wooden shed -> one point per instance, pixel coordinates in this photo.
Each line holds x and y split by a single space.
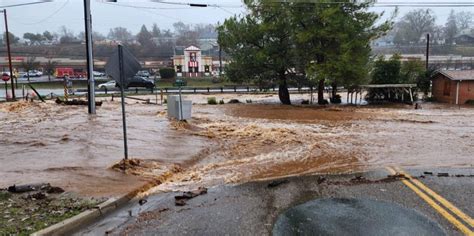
453 86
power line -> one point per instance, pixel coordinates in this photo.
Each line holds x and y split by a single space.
48 17
376 4
25 4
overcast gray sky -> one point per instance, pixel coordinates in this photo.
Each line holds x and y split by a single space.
51 16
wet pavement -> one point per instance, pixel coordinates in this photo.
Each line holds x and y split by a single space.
253 208
349 216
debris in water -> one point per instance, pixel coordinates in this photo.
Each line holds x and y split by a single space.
182 199
428 173
276 183
142 201
443 175
126 164
321 180
77 102
54 190
28 187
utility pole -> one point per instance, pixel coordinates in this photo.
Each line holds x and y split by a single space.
427 50
90 60
9 53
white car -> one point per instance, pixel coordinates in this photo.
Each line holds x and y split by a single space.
35 73
108 85
98 74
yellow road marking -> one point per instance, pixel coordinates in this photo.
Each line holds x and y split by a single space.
437 207
440 199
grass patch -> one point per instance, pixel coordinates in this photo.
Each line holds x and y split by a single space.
23 215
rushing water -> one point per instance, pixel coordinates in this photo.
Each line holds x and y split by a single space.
229 143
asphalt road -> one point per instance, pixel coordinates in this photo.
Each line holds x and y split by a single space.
253 208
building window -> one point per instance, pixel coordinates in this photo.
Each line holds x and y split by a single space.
447 88
206 68
179 69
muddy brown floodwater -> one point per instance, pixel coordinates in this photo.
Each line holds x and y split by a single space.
66 147
231 143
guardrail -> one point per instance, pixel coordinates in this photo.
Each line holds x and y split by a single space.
188 90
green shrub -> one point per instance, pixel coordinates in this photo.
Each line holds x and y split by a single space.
165 101
248 100
221 101
430 99
217 80
167 73
211 101
4 195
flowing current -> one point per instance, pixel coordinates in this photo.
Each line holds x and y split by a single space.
231 143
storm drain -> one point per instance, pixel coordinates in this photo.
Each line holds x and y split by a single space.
338 216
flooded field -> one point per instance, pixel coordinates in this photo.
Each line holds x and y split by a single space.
229 143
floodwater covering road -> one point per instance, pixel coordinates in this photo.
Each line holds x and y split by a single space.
231 143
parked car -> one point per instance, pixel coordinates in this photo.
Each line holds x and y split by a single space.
139 81
35 73
143 73
98 74
22 74
108 85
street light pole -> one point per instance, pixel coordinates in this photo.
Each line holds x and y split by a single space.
90 60
9 53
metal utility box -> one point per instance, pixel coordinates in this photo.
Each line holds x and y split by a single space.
174 107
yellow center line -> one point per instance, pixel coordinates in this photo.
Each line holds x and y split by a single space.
439 198
437 207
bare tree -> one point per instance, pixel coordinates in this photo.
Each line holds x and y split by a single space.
121 34
417 22
464 19
49 67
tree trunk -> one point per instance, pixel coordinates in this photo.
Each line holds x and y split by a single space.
28 76
283 93
49 76
321 92
334 90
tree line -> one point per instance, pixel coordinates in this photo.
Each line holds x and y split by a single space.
414 25
310 44
147 40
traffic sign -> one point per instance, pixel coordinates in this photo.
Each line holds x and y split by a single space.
5 77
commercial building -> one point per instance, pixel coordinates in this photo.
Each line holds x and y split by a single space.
191 62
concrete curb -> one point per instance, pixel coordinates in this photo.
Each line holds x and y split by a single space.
67 226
